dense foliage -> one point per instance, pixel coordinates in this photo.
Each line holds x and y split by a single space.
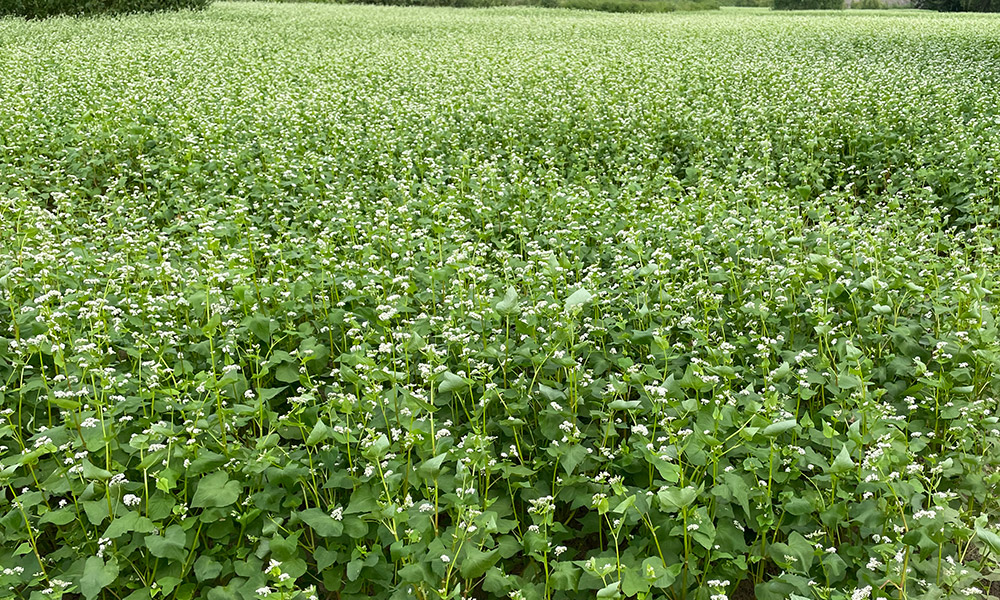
622 6
807 4
960 5
746 3
311 301
40 9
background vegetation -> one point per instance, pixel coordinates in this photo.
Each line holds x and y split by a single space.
622 6
960 5
40 9
746 3
808 4
311 301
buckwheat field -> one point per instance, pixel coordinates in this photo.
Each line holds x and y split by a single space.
339 302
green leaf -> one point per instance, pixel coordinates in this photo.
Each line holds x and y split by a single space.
674 499
97 575
796 555
285 548
623 404
565 576
572 457
323 524
578 299
287 373
212 325
319 433
992 540
451 382
168 583
139 594
851 352
260 326
798 506
662 577
610 591
551 394
354 527
635 583
362 501
776 429
216 490
431 468
267 394
913 537
781 372
625 504
842 463
206 568
508 306
207 461
496 582
416 342
325 558
92 472
170 545
60 516
476 562
739 489
130 521
223 592
834 566
354 569
96 510
380 446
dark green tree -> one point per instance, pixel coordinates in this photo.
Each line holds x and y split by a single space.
960 5
40 9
